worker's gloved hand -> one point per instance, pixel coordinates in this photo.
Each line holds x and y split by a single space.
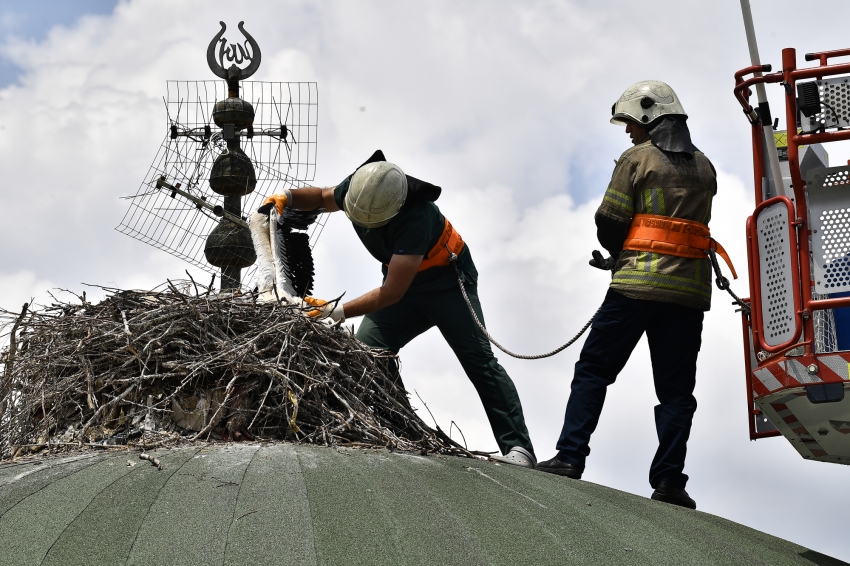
325 309
606 264
278 201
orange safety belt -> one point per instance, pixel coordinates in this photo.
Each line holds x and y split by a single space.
673 236
449 243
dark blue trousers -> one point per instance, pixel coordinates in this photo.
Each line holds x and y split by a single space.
674 333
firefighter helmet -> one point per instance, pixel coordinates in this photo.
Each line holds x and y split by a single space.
376 193
645 101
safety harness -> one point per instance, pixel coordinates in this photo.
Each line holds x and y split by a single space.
449 243
673 236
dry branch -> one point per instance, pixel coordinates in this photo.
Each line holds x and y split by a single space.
155 368
154 461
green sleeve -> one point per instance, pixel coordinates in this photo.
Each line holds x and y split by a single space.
340 191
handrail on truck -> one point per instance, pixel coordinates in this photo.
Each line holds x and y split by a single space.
788 77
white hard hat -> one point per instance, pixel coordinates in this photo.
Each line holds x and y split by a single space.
376 194
645 101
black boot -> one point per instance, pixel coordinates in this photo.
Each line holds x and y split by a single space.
673 495
555 466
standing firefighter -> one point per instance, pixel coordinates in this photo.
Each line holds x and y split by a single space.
396 219
653 221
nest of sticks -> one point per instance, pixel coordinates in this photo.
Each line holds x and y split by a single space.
180 363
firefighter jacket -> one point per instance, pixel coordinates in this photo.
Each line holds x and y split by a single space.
647 180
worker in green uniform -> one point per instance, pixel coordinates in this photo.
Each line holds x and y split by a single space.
396 219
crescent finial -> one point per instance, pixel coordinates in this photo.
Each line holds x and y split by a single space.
219 71
255 54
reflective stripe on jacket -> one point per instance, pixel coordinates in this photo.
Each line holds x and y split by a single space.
649 181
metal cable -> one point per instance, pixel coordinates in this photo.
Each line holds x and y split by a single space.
723 283
453 260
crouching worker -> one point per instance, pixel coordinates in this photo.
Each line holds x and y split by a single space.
396 219
653 221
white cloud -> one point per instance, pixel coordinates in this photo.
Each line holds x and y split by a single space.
503 104
23 286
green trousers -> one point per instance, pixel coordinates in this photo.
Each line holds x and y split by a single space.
394 326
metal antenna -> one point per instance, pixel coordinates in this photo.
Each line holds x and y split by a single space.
207 177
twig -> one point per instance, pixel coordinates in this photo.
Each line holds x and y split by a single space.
10 360
454 424
427 409
13 344
155 461
197 293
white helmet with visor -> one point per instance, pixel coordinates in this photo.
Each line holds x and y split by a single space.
644 102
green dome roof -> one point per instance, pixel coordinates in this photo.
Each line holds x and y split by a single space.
294 504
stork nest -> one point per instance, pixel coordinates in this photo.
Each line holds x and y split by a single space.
181 364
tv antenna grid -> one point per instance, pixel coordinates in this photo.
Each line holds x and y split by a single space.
228 144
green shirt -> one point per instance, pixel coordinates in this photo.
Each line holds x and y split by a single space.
413 231
647 180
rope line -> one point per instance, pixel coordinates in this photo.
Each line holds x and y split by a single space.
453 260
721 282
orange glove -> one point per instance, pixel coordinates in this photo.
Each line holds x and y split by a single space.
325 309
280 201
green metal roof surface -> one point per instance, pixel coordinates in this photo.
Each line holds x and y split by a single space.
294 504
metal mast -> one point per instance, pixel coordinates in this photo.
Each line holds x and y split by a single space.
229 245
775 174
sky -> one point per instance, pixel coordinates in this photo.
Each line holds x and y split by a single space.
503 104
